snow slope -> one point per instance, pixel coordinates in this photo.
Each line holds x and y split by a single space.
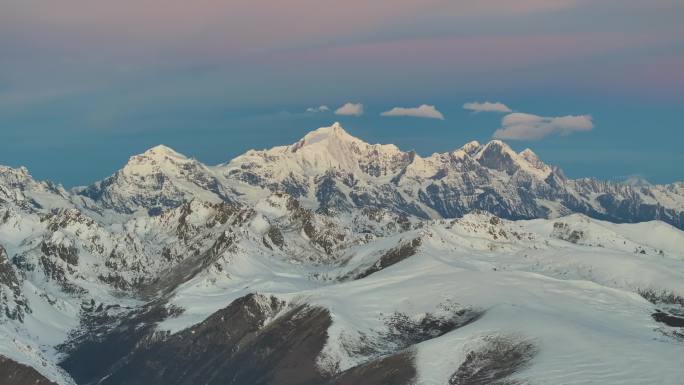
577 303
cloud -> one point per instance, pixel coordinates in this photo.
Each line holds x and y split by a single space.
521 126
487 107
322 108
352 109
423 111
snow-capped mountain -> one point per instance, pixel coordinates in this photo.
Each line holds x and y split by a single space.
335 261
332 171
157 179
18 187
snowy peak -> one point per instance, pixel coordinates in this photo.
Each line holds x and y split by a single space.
161 151
6 172
157 159
326 136
158 179
337 142
18 186
636 181
15 177
532 159
160 162
471 148
495 147
334 149
497 155
529 155
326 149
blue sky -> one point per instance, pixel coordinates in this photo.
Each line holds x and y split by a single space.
84 85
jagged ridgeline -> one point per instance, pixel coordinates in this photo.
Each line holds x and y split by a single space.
332 171
334 261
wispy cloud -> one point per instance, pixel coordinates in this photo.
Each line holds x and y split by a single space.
521 126
422 111
322 108
487 107
351 109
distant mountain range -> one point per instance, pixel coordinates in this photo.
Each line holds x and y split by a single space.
335 261
331 171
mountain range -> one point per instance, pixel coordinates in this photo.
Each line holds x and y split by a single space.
336 261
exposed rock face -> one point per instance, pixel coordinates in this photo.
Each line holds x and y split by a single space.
389 258
13 304
401 334
491 363
255 340
404 331
668 319
396 369
14 373
107 335
563 231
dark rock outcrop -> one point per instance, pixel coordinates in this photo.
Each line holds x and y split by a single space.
14 373
13 304
389 258
255 340
396 369
494 361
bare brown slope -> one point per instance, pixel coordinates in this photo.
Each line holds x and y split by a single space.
235 345
256 340
14 373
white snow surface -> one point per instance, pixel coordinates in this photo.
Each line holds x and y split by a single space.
577 303
570 284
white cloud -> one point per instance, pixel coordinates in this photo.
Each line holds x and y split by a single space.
322 108
352 109
486 107
422 111
520 126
